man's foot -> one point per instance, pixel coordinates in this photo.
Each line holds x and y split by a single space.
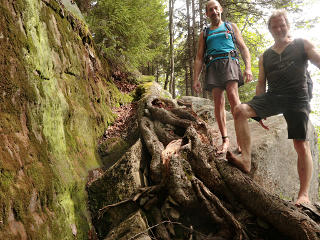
224 146
302 200
243 164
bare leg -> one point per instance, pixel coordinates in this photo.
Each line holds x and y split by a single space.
241 114
305 167
233 97
220 115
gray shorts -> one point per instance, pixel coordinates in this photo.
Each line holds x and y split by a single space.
295 113
220 71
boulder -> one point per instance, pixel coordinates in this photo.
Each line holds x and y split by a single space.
274 159
204 108
134 227
117 184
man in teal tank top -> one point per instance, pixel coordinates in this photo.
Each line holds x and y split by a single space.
222 66
284 67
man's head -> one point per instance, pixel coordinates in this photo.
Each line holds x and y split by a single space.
213 11
212 1
278 24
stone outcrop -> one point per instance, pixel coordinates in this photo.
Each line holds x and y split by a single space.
273 155
275 160
118 183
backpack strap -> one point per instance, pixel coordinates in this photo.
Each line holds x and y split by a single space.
230 29
205 36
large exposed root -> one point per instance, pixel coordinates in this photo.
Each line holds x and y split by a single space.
193 181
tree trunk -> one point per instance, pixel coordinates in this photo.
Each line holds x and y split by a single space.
171 32
166 82
186 77
194 30
157 73
189 47
202 23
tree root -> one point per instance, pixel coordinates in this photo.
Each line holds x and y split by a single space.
154 146
214 205
279 213
190 171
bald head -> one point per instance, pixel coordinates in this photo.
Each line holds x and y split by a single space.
212 1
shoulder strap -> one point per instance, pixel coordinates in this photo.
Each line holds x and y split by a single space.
230 29
205 32
205 36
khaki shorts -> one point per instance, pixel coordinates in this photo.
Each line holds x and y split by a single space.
220 71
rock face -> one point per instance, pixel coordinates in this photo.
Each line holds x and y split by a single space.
275 160
54 104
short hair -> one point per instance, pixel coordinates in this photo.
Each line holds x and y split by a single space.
212 1
279 13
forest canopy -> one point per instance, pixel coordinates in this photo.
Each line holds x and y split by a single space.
131 32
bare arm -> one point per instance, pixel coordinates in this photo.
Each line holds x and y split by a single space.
261 85
312 53
198 63
245 54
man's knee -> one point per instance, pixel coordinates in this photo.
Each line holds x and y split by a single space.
243 111
239 111
301 145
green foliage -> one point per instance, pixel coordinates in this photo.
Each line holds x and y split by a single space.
145 78
129 32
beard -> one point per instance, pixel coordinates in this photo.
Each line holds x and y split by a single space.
215 20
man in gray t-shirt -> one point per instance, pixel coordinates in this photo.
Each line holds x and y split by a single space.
283 66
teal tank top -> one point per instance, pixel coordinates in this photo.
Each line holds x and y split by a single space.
219 41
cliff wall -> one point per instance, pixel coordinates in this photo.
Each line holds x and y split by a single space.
54 104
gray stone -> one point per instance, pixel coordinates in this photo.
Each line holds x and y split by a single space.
134 226
204 108
118 183
72 7
274 160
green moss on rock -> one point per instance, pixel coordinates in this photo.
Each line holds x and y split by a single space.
53 109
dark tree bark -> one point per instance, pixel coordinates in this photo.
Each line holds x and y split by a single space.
172 86
166 82
186 77
189 47
157 73
202 24
194 30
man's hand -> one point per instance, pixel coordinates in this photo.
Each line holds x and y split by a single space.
262 124
197 86
247 75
